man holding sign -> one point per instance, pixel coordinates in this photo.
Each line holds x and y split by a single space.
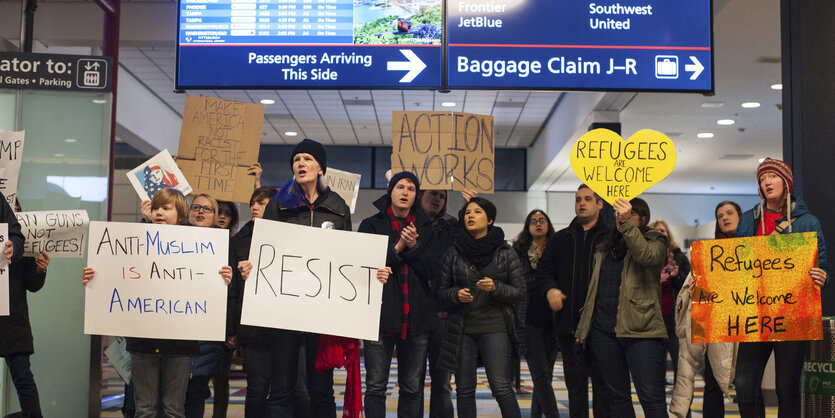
771 216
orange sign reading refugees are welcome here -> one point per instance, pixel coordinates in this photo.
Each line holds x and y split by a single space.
755 289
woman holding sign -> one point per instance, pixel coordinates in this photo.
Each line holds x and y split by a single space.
622 315
481 282
304 200
779 212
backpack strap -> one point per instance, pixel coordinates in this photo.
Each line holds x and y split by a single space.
782 226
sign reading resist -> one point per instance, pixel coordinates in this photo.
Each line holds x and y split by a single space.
156 281
314 279
756 289
615 168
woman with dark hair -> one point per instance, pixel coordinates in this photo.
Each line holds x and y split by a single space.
675 271
481 282
539 319
779 212
227 216
720 374
622 315
303 200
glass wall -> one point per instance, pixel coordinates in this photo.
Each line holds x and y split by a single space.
65 166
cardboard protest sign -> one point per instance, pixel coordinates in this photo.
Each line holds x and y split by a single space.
219 140
61 233
445 150
755 289
615 168
4 274
159 172
156 281
345 184
314 279
11 155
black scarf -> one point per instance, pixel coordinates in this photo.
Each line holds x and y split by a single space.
479 251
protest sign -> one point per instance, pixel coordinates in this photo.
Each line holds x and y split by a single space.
159 172
61 233
11 155
445 150
755 289
615 168
314 279
4 273
156 281
345 184
219 140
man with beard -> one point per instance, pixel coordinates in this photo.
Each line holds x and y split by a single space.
563 274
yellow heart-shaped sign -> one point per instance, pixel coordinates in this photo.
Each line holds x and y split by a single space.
615 168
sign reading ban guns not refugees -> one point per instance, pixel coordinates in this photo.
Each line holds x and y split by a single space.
756 289
314 279
156 281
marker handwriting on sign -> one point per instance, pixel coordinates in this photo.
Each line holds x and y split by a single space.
158 305
445 150
739 263
295 276
150 244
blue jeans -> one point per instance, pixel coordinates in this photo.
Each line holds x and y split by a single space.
541 356
644 359
497 355
411 374
160 384
788 365
440 394
24 383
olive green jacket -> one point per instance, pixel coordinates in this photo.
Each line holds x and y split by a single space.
639 300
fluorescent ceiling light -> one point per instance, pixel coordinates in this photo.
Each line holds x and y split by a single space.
99 101
70 140
761 160
725 122
448 104
267 101
291 133
777 86
750 105
713 104
704 135
59 155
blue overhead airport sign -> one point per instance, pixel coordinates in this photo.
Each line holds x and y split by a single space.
569 44
640 45
252 44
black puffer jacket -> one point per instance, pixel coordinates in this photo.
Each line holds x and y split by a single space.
15 331
239 247
455 274
328 207
566 265
538 313
422 313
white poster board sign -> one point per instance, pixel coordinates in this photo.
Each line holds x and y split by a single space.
11 155
61 233
156 281
345 184
4 272
313 279
159 172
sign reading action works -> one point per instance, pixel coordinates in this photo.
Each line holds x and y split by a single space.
54 72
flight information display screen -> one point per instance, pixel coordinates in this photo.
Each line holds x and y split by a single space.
309 44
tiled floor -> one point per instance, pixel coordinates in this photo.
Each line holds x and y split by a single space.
487 407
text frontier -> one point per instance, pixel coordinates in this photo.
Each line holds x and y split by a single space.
524 68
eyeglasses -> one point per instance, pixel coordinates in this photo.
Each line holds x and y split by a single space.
540 221
203 209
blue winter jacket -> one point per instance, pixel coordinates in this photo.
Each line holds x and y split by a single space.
803 222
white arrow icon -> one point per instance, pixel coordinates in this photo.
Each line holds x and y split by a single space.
696 67
414 65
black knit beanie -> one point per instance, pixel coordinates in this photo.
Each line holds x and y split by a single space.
400 176
317 150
